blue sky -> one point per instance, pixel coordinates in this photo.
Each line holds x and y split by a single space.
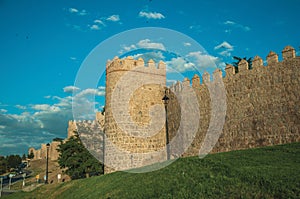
44 43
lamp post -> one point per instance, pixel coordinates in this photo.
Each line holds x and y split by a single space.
166 101
48 146
1 182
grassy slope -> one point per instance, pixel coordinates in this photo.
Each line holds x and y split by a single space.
271 172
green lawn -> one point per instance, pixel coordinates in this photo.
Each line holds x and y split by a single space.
270 172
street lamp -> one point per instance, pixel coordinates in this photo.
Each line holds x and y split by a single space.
48 146
166 101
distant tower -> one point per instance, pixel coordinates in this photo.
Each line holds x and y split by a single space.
134 114
71 128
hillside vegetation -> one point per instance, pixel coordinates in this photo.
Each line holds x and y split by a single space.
270 172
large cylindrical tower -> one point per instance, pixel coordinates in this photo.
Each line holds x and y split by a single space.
134 114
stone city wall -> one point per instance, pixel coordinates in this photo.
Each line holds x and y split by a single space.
42 152
90 131
262 108
262 105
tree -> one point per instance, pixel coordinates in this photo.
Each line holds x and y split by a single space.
235 64
24 157
13 161
3 165
77 160
30 155
58 139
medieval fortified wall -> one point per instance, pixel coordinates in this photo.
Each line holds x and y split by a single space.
263 104
262 108
91 134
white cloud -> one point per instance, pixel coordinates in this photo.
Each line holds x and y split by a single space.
73 10
204 61
229 22
179 64
146 43
95 27
189 62
90 91
129 48
3 110
54 109
76 11
70 89
226 49
73 58
98 24
43 122
24 130
20 107
151 15
11 145
64 102
45 108
84 103
101 88
236 25
114 18
224 44
41 107
98 21
187 44
155 56
136 56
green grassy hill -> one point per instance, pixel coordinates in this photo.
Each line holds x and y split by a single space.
270 172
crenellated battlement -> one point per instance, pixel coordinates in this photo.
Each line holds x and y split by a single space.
74 125
129 63
257 62
288 54
74 122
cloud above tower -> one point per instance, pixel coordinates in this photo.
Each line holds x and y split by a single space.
151 15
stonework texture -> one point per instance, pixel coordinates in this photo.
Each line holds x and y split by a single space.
42 152
263 105
133 145
91 136
262 108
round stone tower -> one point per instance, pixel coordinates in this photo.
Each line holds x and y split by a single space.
134 114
